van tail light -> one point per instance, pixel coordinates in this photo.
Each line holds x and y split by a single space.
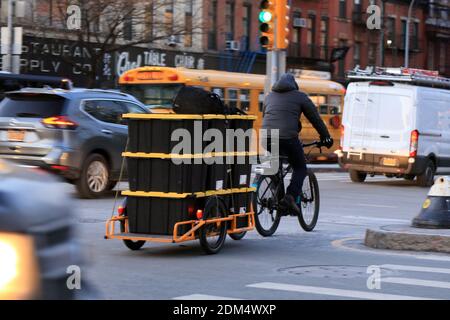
342 137
59 122
414 144
199 214
121 210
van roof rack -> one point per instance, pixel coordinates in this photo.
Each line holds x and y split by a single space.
419 77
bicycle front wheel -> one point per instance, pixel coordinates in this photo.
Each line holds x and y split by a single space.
310 204
265 204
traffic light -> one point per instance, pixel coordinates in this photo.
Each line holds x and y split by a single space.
267 23
282 14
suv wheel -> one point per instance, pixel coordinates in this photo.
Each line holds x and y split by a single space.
94 178
357 176
426 179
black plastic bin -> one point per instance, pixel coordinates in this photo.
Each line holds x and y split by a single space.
236 123
217 173
158 215
163 175
241 171
152 133
240 203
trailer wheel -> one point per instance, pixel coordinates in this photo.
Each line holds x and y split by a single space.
132 245
357 176
238 236
212 236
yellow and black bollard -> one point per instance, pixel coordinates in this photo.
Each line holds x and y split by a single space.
435 213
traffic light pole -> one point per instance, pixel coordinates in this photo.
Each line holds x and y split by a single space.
275 65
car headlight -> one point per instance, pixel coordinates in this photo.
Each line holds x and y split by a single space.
19 276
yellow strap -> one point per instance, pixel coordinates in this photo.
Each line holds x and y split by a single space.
159 116
186 156
173 195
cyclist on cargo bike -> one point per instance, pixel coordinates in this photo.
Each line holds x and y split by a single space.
283 108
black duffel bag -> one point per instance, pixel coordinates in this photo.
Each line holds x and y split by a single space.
193 100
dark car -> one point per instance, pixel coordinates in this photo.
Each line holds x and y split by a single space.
78 134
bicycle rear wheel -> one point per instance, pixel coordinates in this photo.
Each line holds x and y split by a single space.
265 204
310 204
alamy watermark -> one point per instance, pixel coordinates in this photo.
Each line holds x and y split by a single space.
214 146
374 279
374 17
73 281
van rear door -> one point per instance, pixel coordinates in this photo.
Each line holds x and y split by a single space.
359 121
395 121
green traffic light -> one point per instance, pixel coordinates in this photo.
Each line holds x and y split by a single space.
265 16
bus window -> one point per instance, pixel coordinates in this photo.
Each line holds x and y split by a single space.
261 101
218 91
153 95
335 104
321 102
245 100
232 98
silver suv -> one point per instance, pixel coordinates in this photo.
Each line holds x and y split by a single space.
78 134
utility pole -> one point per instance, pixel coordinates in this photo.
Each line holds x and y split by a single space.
12 38
411 5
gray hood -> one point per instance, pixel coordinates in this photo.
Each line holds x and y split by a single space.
285 84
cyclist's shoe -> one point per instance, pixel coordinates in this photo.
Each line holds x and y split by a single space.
290 202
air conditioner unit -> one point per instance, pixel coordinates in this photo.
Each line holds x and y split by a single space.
172 41
233 45
299 23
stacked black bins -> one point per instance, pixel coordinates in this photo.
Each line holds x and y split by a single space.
172 172
240 170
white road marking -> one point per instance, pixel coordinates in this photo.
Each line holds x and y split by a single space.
376 219
415 268
375 205
333 292
417 282
432 257
198 296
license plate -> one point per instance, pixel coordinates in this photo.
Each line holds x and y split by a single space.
391 162
16 135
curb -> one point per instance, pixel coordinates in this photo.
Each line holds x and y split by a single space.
407 240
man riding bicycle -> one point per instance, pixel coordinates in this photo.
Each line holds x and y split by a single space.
283 108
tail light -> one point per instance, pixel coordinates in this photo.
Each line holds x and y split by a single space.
414 144
342 137
120 210
199 214
59 122
60 168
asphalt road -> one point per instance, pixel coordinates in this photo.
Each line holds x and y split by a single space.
329 263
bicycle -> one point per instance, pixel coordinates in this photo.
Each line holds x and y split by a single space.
270 190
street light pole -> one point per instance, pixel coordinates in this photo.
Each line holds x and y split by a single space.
411 5
7 59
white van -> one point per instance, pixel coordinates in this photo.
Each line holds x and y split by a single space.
398 126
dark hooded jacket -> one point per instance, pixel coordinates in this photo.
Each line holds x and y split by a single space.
284 106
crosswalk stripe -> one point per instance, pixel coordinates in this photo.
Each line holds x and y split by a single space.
333 292
415 268
432 257
417 282
198 296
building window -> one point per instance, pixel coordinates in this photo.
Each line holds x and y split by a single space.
403 36
247 25
311 35
343 9
149 19
390 32
128 27
212 33
357 6
415 36
294 46
357 54
188 23
168 18
324 38
372 54
229 20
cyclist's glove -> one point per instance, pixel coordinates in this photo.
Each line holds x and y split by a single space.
327 142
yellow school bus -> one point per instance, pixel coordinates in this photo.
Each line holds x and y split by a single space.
156 87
